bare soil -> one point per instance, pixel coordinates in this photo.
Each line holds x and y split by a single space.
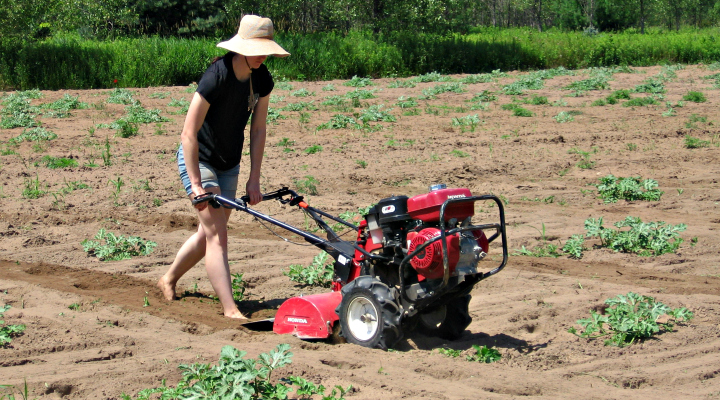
115 342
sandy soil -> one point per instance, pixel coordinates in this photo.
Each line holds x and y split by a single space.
116 343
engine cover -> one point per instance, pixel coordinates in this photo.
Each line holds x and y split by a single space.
429 263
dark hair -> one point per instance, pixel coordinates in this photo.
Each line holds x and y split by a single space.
218 58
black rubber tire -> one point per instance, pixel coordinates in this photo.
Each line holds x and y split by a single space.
456 320
379 301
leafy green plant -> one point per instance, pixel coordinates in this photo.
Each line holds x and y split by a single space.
431 77
316 148
319 273
58 162
397 83
300 106
32 188
360 94
630 318
406 102
238 286
574 246
110 247
451 87
599 82
692 142
585 161
612 188
358 82
376 113
329 88
644 239
106 155
484 354
182 105
468 122
695 97
307 185
61 107
283 85
449 352
235 377
536 100
7 332
37 134
121 96
640 102
546 250
566 116
302 92
339 121
485 95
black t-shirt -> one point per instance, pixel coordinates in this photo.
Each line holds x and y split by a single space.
223 131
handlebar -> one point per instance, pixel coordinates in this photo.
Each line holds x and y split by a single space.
279 194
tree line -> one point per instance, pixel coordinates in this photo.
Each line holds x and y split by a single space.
107 19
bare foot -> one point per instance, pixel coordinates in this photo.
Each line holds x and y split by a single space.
167 289
235 314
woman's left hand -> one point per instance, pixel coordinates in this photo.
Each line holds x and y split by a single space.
253 191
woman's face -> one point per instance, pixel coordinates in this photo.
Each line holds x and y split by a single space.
255 61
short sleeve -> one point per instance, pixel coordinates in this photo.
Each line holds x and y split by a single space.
211 82
263 80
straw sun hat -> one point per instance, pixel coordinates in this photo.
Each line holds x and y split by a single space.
254 38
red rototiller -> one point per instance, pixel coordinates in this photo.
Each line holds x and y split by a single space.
412 267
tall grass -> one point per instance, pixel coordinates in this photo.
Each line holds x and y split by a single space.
70 62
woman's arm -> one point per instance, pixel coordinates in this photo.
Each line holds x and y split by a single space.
193 122
258 129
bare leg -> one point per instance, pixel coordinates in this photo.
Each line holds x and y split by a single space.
214 223
190 253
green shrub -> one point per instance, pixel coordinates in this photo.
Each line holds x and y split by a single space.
630 318
695 143
110 247
644 239
340 121
612 188
574 246
566 116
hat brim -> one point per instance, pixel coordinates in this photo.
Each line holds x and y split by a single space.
253 47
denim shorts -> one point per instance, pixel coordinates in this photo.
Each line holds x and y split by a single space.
227 180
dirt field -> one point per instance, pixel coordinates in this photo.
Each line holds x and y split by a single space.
113 341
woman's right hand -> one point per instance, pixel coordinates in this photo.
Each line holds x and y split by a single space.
198 191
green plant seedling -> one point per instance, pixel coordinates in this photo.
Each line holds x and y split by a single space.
484 354
307 185
644 239
74 307
449 352
238 287
7 332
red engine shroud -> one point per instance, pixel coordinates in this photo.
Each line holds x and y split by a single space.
426 207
